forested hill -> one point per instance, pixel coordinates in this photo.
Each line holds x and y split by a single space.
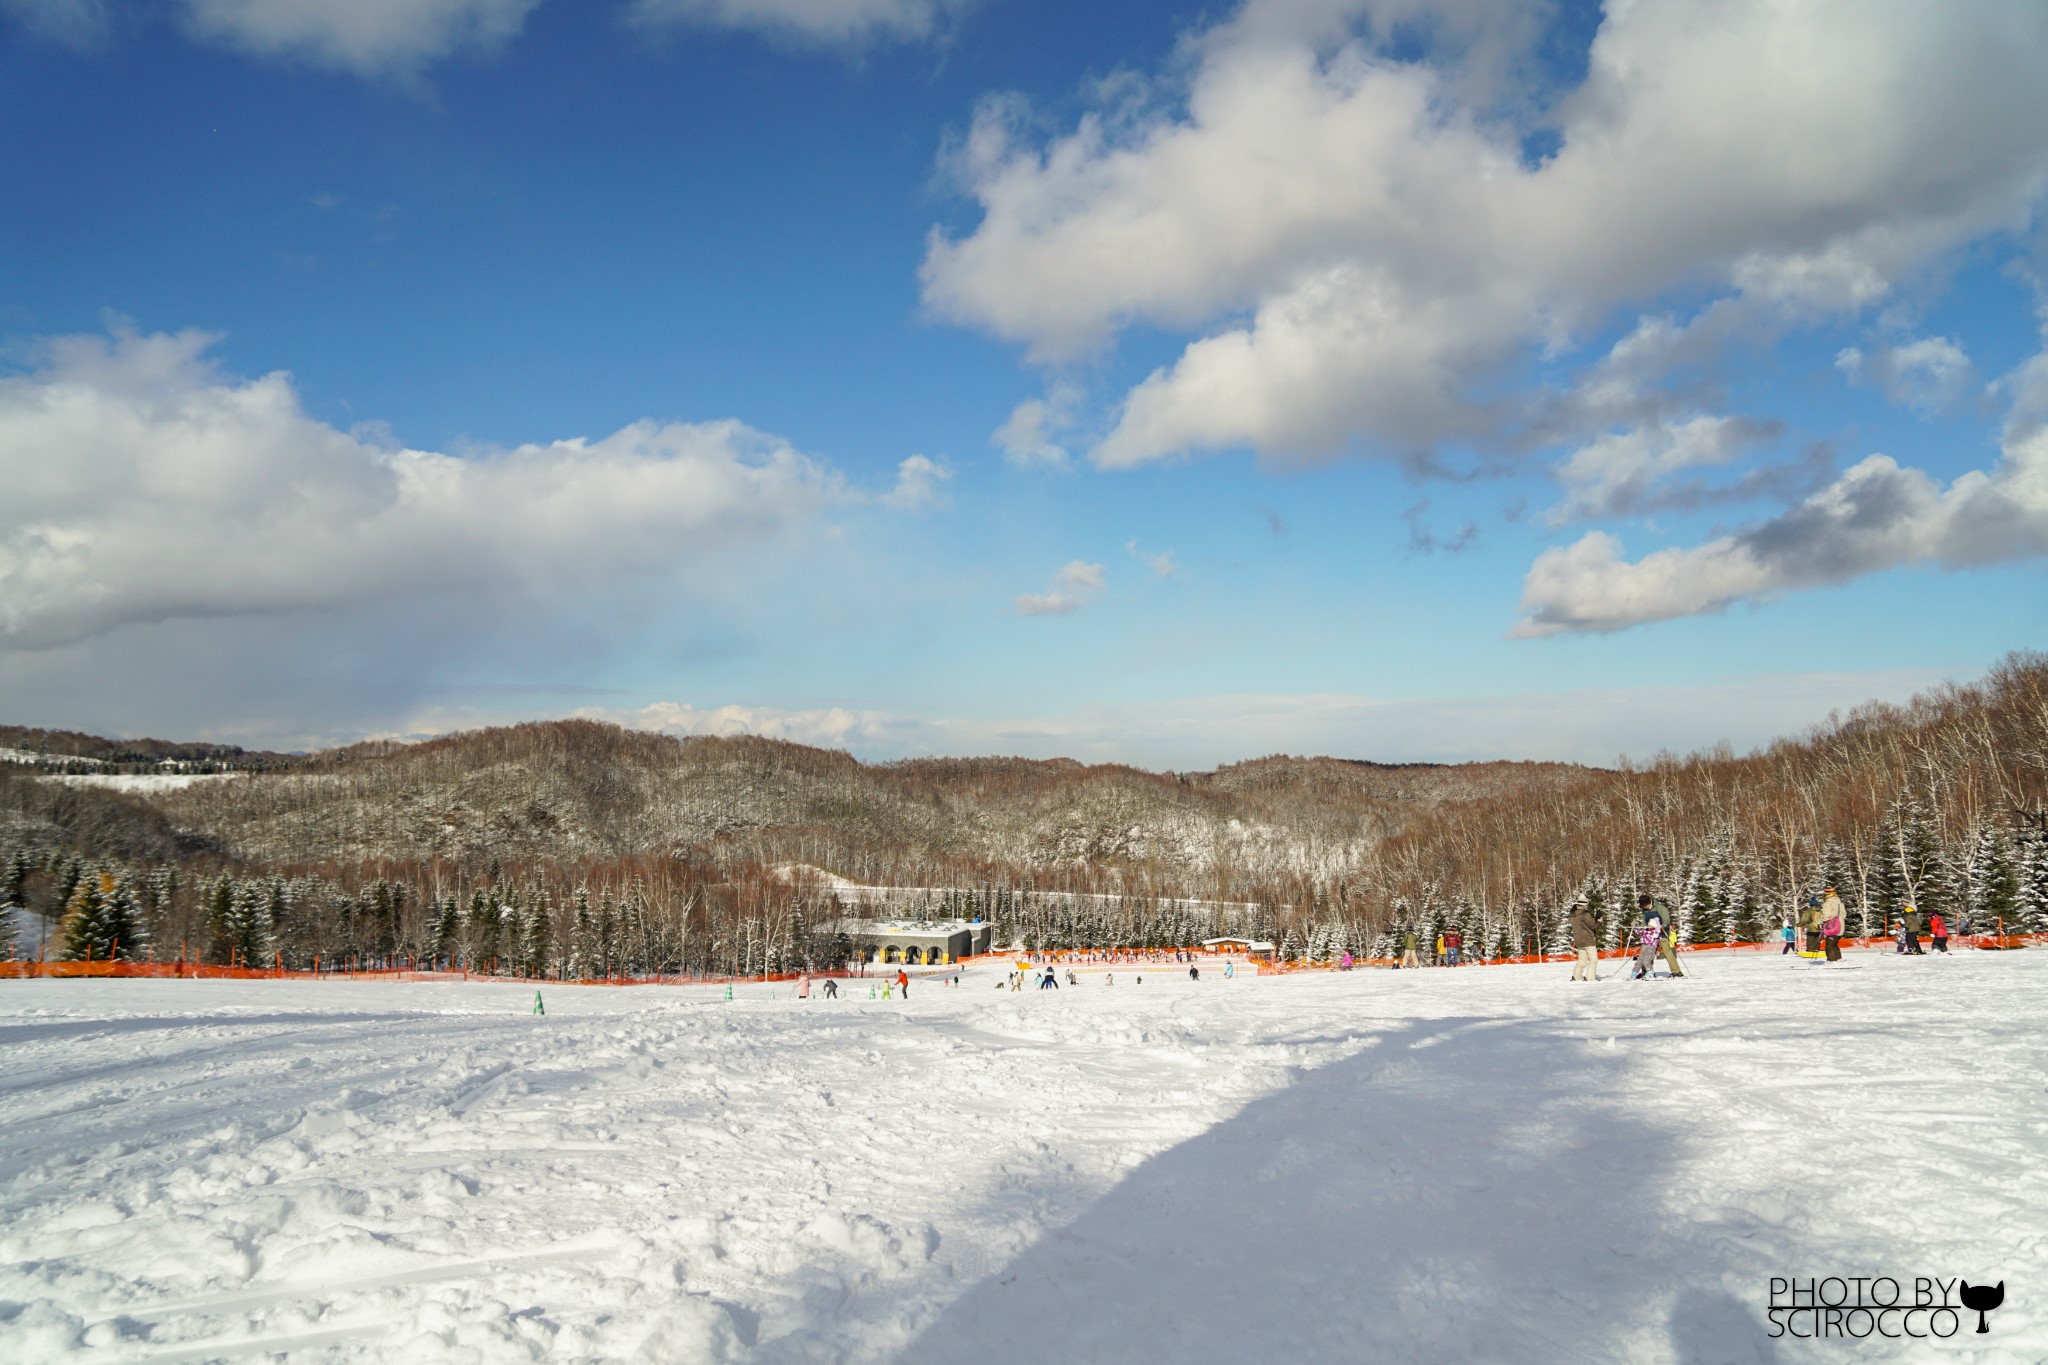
1936 802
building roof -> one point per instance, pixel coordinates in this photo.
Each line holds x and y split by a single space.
910 928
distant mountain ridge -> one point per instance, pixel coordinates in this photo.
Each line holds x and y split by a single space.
584 790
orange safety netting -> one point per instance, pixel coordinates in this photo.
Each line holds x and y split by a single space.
1139 958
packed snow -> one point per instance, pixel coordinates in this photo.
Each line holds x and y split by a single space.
1473 1164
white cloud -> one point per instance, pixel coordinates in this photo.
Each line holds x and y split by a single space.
1588 726
1617 473
370 37
1928 374
833 727
819 21
920 485
1363 250
1161 564
1026 437
1876 516
144 486
1076 585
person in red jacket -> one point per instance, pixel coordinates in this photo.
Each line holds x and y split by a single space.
1453 940
903 982
1937 929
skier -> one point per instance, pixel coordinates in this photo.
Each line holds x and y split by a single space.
903 982
1194 973
803 986
1646 948
1667 936
1788 933
1937 930
831 989
1049 981
1585 942
1910 928
1072 980
1230 969
1109 978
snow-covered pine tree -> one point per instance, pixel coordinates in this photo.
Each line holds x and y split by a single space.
247 930
585 953
82 934
1994 884
220 901
447 934
537 942
14 886
101 920
607 920
2033 894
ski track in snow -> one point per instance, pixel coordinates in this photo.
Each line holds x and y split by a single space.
1478 1164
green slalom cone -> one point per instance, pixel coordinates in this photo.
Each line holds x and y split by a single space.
728 990
538 1008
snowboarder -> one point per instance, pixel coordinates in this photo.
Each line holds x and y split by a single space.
1585 942
1809 928
1937 931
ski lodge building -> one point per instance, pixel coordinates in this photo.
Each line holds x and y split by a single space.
1255 948
917 942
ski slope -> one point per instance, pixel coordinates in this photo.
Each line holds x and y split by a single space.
1474 1164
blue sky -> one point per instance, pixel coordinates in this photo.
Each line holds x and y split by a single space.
1164 383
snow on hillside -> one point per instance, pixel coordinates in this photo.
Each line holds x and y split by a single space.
140 783
1481 1164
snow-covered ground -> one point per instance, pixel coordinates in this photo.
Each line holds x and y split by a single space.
1487 1164
139 782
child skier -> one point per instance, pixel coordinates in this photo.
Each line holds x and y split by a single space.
1647 936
